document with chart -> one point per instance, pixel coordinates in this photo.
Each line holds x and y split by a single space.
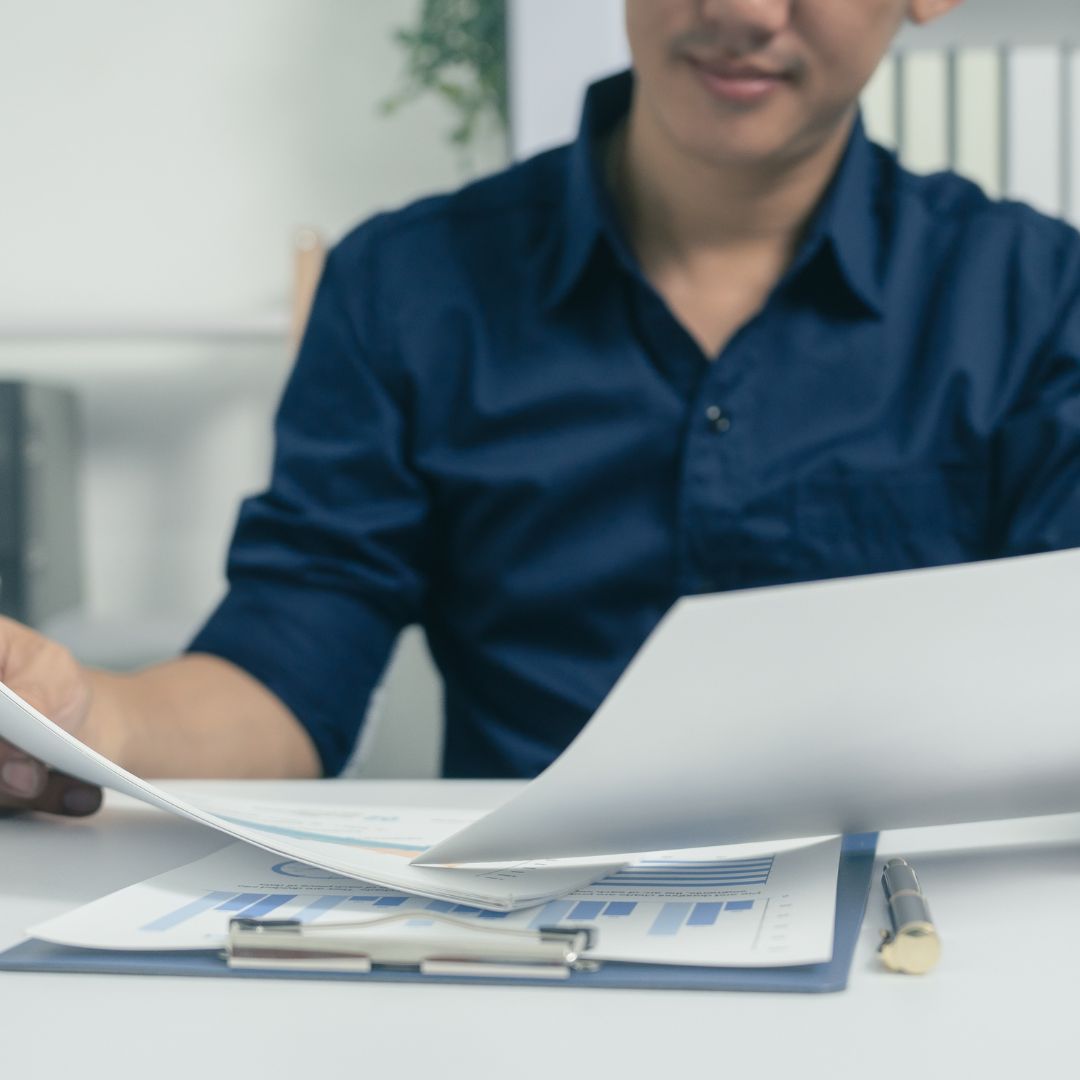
747 906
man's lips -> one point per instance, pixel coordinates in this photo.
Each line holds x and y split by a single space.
739 82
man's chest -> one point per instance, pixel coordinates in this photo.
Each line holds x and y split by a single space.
601 447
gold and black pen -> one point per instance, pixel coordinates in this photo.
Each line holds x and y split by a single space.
913 946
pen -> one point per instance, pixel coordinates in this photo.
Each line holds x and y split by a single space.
913 946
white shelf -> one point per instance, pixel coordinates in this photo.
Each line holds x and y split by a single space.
271 326
94 354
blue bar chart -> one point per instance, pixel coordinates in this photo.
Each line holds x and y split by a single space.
704 914
252 905
188 911
678 917
586 909
240 901
689 874
318 907
670 918
266 905
673 910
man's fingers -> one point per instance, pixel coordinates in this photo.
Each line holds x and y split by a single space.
26 784
49 678
60 794
20 776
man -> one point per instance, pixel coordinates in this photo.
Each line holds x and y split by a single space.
721 341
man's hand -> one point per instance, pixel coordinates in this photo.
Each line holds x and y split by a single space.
193 716
48 677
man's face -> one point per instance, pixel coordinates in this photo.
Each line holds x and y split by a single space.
758 81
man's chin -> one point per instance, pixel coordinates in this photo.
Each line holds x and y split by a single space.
759 142
750 151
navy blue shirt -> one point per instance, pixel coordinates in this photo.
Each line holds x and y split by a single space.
497 429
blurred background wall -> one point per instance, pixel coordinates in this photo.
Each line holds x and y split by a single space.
157 160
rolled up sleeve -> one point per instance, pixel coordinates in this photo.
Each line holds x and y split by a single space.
327 565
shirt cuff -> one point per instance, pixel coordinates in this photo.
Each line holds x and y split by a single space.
320 651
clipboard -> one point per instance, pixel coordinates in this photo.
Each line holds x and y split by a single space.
519 963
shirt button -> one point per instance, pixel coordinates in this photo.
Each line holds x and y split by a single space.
716 418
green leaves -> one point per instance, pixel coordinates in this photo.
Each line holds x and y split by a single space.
457 50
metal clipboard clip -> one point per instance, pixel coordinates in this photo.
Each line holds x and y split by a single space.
443 946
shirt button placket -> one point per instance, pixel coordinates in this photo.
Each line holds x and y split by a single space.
717 419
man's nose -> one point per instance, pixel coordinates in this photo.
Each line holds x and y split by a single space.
746 24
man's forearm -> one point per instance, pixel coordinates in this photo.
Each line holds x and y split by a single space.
196 716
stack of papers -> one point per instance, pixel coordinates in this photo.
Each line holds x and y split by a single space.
761 905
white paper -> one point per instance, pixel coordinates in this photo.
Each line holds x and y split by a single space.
885 701
370 844
765 905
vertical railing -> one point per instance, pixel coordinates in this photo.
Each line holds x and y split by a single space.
901 105
1070 140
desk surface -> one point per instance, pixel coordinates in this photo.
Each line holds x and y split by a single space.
1002 1003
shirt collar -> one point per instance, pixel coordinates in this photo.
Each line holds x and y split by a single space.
847 223
587 209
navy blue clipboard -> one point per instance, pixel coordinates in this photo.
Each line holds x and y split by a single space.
852 889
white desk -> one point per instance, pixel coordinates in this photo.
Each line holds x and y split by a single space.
1003 1003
